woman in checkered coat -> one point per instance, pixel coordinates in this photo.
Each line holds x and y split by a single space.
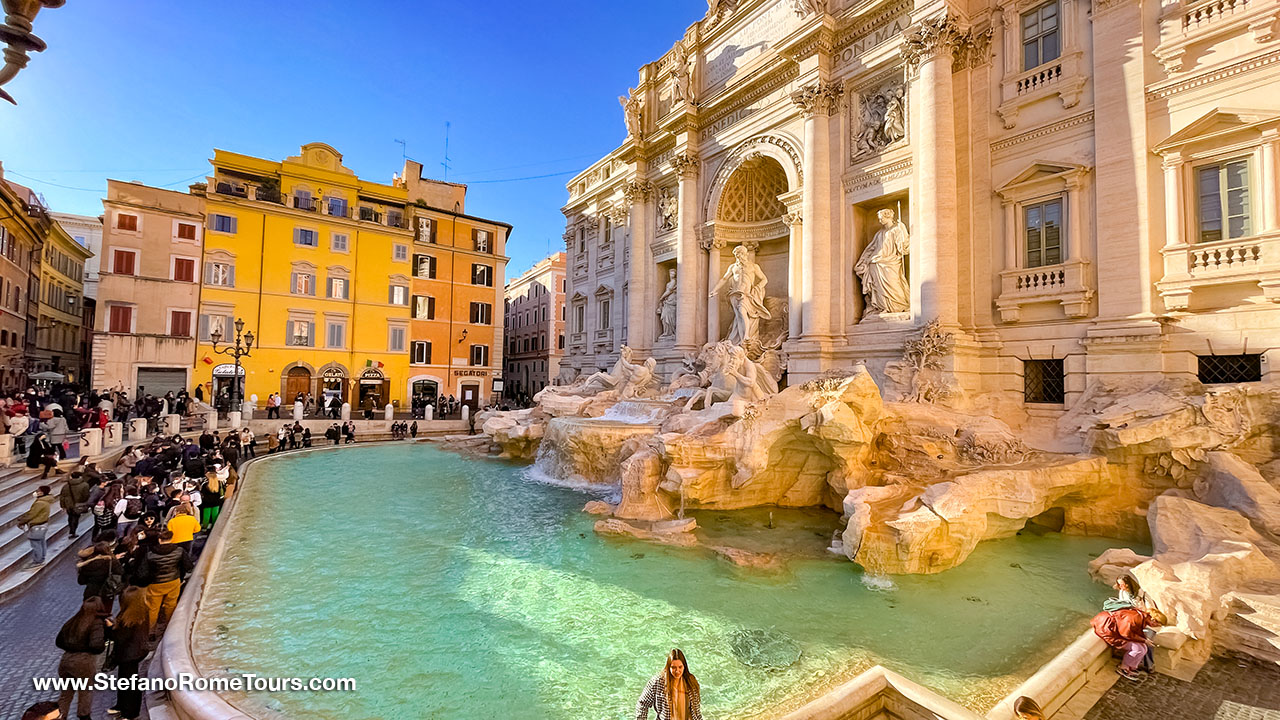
673 693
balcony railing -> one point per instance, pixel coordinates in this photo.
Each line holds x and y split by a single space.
226 188
303 203
1255 259
1202 14
1068 284
1039 78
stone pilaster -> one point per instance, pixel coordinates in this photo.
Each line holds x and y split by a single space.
688 302
795 307
929 51
712 245
817 102
639 337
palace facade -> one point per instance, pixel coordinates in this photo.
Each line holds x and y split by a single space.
1087 191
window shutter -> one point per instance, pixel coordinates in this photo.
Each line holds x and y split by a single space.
231 276
293 282
311 334
204 327
391 294
296 233
431 308
311 286
208 273
233 223
288 332
346 290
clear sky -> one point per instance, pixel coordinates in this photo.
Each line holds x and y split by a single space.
145 89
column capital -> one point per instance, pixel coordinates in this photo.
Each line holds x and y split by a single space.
931 38
793 219
637 191
973 50
707 239
685 164
818 98
618 213
1172 160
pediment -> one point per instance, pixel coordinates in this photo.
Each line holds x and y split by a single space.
1216 123
603 290
578 297
1041 174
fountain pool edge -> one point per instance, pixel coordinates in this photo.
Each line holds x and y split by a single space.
1078 674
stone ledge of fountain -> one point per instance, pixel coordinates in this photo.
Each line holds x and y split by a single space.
663 532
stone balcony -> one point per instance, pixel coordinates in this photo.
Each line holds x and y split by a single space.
1063 77
1065 283
1253 259
1186 24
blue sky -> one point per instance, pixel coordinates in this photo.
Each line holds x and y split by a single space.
145 89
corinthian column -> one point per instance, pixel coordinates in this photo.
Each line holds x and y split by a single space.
817 102
686 165
928 52
712 246
639 309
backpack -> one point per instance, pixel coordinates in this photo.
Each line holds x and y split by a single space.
133 508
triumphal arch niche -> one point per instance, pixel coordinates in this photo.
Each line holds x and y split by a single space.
788 176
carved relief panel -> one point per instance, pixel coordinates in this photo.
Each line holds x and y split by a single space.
878 116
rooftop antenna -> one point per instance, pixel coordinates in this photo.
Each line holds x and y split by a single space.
446 151
403 154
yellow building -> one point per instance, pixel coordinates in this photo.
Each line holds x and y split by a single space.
61 344
459 270
317 263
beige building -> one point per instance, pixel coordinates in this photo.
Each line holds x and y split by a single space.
534 327
1079 191
149 289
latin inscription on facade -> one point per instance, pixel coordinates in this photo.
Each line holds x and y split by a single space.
875 37
745 44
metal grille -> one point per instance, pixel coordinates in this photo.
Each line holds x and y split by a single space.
1043 381
1230 368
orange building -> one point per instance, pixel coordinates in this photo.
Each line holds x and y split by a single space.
459 268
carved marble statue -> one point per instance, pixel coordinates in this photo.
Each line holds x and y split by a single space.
729 375
632 106
681 76
667 307
629 378
884 280
882 121
746 283
668 210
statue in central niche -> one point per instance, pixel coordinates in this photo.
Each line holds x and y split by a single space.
884 279
745 281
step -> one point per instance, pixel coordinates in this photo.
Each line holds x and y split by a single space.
14 573
17 501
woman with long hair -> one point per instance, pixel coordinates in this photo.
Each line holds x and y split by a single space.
674 693
82 640
1024 708
130 632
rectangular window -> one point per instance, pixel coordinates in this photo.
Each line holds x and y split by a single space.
420 352
1224 202
222 223
211 324
302 200
1040 36
424 307
479 355
399 295
481 313
395 218
399 253
395 339
1216 369
338 242
480 238
337 206
1043 381
424 266
335 334
304 284
180 323
481 275
121 319
124 262
299 333
560 344
1043 228
337 289
186 231
579 318
220 274
305 237
127 222
425 232
605 307
184 269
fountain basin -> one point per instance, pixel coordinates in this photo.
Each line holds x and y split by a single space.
451 588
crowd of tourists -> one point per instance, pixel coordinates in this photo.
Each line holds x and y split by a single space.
148 517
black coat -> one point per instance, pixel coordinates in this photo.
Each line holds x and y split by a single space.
131 642
92 640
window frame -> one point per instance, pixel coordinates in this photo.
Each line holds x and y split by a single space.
169 324
297 237
136 261
329 326
1039 35
1041 204
392 293
1059 382
137 222
173 268
111 318
414 345
333 244
400 252
232 221
403 330
1223 192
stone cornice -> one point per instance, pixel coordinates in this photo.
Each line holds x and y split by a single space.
863 27
1161 91
1084 118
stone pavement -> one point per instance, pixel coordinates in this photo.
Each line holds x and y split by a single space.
1226 688
28 624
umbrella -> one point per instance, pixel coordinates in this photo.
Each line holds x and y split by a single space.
48 375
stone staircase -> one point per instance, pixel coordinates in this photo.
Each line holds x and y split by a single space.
17 490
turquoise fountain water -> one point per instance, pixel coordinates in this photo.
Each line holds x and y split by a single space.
457 588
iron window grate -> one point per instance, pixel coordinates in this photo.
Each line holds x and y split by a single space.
1043 381
1216 369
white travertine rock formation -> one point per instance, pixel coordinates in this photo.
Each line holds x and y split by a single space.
1229 482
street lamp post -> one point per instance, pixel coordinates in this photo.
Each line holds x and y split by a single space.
238 350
